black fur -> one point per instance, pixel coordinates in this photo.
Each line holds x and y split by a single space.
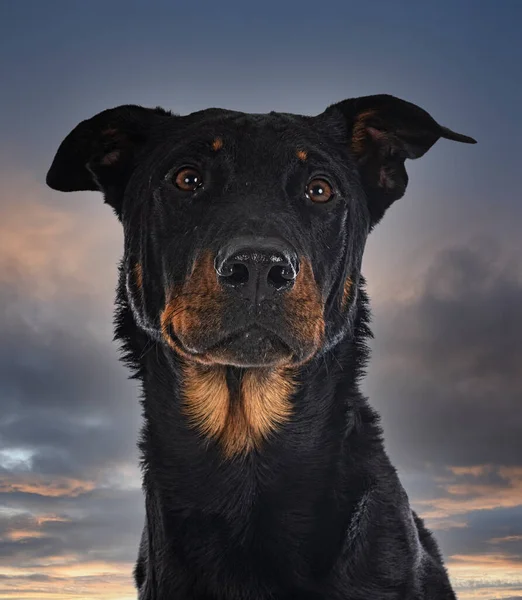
317 512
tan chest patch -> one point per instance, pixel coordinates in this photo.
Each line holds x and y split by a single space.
239 423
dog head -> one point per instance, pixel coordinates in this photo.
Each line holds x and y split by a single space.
244 233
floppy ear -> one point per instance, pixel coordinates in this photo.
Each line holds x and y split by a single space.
383 132
99 153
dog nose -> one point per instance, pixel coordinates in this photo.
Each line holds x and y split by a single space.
257 268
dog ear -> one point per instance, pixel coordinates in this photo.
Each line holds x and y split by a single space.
383 132
99 153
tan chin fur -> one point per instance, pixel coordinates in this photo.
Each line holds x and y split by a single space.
238 424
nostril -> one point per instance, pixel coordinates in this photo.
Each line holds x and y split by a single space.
255 268
233 274
281 276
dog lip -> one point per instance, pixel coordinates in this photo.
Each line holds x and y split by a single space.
246 332
252 328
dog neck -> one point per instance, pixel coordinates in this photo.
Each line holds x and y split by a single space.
255 451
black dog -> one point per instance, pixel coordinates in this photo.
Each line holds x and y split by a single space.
242 310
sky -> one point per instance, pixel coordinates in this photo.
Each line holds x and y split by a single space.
443 268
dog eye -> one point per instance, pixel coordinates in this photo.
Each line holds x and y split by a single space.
188 179
319 190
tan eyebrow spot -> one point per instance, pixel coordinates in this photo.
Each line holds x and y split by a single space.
110 131
217 144
302 155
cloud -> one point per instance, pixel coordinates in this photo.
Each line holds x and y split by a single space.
504 490
486 572
446 368
61 383
445 376
71 506
36 484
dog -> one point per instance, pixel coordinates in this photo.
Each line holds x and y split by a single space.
242 310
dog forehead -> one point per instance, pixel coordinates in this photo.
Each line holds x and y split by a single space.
236 125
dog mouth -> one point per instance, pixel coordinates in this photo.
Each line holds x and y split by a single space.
253 346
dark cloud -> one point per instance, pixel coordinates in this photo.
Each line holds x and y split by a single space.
445 373
103 525
71 417
496 531
445 376
69 479
68 408
66 399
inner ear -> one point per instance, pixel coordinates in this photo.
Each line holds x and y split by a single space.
383 131
99 153
392 136
380 156
112 158
116 139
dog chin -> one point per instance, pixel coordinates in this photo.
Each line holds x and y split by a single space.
253 347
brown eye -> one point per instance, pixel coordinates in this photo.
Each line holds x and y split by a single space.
188 179
319 190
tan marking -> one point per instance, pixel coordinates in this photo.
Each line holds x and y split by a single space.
245 423
302 155
207 399
110 131
167 317
217 144
304 309
347 288
360 131
111 158
265 395
195 307
238 424
138 275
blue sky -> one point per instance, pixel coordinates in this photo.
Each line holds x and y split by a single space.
443 267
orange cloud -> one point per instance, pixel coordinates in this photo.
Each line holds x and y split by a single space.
485 570
507 539
104 587
47 249
475 470
445 524
465 497
42 519
68 577
489 593
22 534
47 486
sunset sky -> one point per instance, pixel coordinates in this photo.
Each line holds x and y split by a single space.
444 267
